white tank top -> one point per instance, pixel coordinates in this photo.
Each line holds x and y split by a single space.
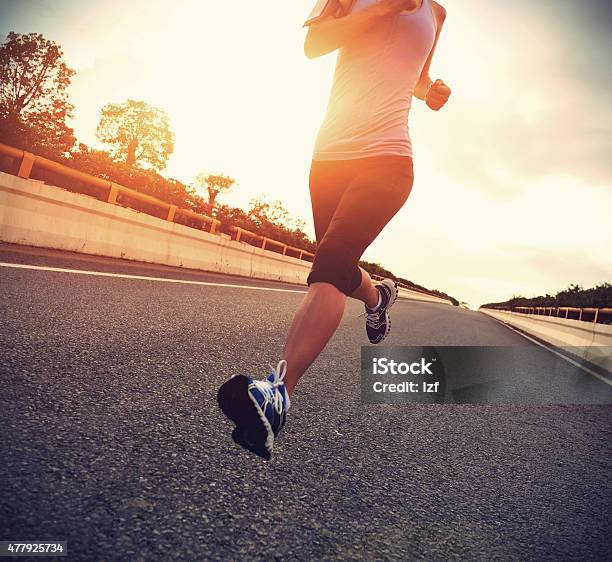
374 80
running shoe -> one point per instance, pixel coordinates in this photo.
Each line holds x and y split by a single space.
378 323
257 407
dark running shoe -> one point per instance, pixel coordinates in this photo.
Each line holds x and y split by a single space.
378 323
258 408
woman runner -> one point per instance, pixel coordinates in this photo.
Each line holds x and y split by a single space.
361 175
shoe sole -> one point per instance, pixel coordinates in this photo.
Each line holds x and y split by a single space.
394 290
251 431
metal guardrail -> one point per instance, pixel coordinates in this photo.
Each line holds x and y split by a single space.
238 232
559 311
27 161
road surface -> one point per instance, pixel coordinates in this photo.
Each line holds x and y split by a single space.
111 438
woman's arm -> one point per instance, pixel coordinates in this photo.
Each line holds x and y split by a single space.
330 34
425 81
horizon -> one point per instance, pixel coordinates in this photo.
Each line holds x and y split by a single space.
497 176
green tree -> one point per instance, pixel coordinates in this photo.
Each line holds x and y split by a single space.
214 184
34 102
137 133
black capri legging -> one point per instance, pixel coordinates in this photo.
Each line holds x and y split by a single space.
352 201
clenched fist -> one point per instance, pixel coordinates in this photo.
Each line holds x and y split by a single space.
392 7
437 95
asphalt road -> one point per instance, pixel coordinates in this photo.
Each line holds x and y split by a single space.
111 438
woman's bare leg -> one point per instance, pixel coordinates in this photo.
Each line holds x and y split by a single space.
366 292
314 323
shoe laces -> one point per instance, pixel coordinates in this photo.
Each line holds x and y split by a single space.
269 388
373 319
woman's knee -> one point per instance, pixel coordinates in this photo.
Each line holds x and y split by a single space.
336 268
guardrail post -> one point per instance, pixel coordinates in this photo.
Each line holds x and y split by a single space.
596 316
263 244
213 226
112 194
566 312
285 250
301 255
25 168
580 315
171 213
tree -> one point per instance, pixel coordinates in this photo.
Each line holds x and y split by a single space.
34 102
99 163
264 213
599 296
214 184
137 133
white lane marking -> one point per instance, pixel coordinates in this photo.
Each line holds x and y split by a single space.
586 369
143 277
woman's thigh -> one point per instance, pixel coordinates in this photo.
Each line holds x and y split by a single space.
377 190
328 181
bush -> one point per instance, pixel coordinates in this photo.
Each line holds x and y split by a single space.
574 296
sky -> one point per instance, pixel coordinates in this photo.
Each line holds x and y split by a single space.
513 178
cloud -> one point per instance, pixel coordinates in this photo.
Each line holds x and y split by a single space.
530 100
507 151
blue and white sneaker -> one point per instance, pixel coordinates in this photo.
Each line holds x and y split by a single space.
378 323
257 407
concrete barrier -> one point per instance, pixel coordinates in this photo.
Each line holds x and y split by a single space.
588 340
36 214
416 296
